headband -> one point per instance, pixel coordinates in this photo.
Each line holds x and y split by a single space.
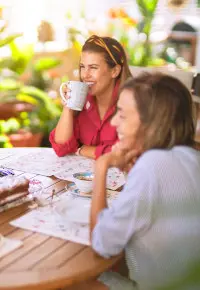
100 42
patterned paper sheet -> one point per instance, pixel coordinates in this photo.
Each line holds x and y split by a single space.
45 162
18 151
47 219
86 165
4 155
115 178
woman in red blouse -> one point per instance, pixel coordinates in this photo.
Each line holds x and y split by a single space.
103 63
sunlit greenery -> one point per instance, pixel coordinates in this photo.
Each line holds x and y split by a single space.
45 112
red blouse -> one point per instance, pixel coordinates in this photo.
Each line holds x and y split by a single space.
90 130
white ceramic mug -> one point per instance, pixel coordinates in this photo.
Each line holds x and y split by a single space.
76 95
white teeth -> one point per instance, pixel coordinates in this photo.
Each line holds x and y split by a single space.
89 83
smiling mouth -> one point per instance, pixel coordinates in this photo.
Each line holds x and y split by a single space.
89 83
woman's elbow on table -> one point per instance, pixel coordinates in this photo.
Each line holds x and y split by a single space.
63 150
69 147
60 153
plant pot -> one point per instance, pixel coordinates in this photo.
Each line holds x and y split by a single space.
13 109
25 139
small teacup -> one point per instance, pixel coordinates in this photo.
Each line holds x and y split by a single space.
84 181
75 95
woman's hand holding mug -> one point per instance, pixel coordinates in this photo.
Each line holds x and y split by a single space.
73 94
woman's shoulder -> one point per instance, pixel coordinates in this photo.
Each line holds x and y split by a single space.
156 158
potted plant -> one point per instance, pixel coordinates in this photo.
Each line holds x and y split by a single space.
19 133
42 116
34 111
32 72
4 141
135 35
143 48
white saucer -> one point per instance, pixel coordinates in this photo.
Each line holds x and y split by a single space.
72 189
74 210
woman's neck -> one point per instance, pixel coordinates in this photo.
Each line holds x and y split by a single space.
105 100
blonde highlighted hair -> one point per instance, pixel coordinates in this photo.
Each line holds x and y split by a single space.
113 52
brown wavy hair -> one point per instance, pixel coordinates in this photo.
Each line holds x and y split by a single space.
165 108
113 53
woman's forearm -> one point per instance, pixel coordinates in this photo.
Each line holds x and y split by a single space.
64 128
88 151
99 201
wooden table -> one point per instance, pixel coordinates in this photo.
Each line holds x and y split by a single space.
45 262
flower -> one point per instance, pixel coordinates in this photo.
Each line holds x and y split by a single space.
120 13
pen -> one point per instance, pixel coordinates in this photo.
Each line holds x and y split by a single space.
4 172
52 195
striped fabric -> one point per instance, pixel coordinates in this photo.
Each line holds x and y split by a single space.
156 219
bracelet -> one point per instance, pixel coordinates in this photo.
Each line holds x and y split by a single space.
79 150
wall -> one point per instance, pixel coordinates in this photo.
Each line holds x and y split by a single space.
25 15
189 13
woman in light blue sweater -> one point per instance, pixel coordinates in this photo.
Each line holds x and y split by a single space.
156 218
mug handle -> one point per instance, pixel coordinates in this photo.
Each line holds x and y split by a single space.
61 92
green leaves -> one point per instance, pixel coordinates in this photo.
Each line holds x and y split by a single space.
45 63
141 53
20 57
10 126
19 68
9 39
4 142
9 85
8 89
147 7
136 55
43 99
